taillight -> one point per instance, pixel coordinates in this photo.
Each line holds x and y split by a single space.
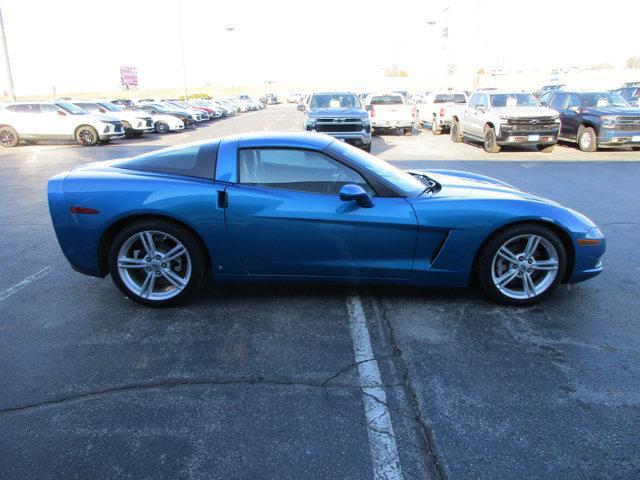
84 210
442 112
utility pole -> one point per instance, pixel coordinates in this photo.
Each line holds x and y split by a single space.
230 30
7 64
184 70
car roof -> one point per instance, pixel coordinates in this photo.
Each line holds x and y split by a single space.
316 141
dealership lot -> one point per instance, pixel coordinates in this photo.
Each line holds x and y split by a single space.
263 382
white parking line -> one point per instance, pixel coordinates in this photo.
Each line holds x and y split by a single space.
24 283
382 442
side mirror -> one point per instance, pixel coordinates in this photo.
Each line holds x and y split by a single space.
574 109
355 192
61 113
301 107
481 108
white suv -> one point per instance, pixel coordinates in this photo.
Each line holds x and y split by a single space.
136 123
34 121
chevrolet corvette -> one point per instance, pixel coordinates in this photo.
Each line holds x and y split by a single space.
306 207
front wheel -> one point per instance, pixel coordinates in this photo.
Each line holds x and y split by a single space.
156 263
456 135
587 141
9 137
408 131
161 127
490 143
87 136
522 264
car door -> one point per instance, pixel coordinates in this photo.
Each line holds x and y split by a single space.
27 119
570 118
475 122
285 217
56 122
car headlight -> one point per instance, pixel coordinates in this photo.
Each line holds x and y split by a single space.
556 119
595 232
506 117
609 120
310 121
366 120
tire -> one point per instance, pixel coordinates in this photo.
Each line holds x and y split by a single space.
456 134
86 135
128 131
9 137
190 267
491 270
161 127
367 148
635 149
399 132
490 143
587 140
435 128
408 131
546 148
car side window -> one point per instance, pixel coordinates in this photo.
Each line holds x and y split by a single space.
482 100
474 100
557 102
296 169
48 108
25 108
574 101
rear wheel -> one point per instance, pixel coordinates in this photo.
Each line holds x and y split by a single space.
156 263
408 131
490 143
546 148
435 128
587 141
456 134
522 264
9 137
86 135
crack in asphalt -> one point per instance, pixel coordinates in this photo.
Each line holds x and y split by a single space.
175 383
425 431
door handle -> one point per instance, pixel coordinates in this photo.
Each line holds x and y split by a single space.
223 199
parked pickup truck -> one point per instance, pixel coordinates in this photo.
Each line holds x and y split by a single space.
390 111
498 118
436 109
596 119
340 115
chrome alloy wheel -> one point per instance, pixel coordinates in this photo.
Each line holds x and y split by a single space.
524 266
154 265
585 140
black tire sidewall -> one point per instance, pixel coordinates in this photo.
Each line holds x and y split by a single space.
188 239
93 130
163 125
485 260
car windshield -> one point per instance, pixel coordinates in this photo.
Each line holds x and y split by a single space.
514 100
110 106
406 183
387 100
71 108
334 100
450 98
603 99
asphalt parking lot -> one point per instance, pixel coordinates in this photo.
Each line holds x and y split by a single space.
270 382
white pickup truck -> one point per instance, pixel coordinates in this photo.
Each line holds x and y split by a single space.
437 108
498 118
391 111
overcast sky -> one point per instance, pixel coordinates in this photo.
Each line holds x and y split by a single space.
80 45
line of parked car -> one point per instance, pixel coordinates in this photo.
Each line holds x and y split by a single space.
93 122
495 118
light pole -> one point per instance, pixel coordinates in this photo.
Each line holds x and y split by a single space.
230 30
184 69
7 64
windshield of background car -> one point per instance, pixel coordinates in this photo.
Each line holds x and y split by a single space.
72 109
514 100
111 107
387 100
334 100
401 181
450 98
603 99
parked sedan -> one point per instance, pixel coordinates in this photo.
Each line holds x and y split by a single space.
136 123
159 109
278 206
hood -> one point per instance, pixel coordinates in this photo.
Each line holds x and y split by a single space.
337 112
457 184
621 111
525 111
104 117
130 115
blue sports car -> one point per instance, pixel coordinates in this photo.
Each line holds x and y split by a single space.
303 206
